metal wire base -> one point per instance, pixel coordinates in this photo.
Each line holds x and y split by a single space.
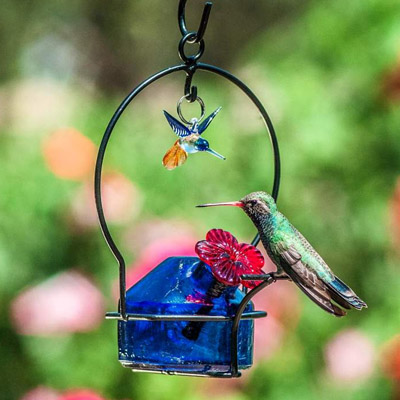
165 317
235 319
205 374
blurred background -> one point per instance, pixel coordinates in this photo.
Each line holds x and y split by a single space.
329 75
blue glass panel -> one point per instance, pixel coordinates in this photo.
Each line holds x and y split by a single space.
161 345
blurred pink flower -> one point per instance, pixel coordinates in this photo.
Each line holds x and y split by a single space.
268 337
80 394
69 154
66 303
281 302
45 393
121 201
41 393
391 359
350 357
154 254
224 388
152 230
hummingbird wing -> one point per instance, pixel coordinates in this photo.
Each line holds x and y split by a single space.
339 291
321 291
174 157
204 125
306 279
179 129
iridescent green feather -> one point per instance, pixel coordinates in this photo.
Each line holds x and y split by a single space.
293 254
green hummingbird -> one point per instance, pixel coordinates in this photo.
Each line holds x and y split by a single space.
294 256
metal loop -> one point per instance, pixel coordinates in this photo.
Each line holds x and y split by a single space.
187 97
189 38
203 22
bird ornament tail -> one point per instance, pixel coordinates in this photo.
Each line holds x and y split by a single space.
174 157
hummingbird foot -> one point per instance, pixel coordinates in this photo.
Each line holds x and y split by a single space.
280 275
271 277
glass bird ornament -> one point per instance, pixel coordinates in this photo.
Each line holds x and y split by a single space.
190 140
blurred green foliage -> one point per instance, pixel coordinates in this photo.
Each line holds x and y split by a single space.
319 67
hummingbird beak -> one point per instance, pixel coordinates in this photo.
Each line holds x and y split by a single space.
214 153
230 203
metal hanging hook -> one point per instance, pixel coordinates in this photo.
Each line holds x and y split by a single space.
203 22
190 91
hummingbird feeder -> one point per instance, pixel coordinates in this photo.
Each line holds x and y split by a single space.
190 315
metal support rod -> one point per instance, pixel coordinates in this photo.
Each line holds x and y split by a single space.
235 324
182 317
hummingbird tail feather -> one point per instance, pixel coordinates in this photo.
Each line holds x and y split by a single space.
345 294
339 300
323 300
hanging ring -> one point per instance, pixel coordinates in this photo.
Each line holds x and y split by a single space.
187 98
189 38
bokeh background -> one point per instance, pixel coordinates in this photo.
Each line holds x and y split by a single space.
329 74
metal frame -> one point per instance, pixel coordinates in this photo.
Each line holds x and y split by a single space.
182 317
190 66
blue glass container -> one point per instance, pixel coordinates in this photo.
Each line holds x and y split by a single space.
176 287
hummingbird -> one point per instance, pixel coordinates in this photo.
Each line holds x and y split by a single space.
189 140
294 256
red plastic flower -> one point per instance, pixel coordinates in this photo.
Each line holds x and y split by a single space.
229 259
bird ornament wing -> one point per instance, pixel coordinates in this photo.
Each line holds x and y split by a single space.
204 125
179 129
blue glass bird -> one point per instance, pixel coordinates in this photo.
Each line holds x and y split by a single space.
189 140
